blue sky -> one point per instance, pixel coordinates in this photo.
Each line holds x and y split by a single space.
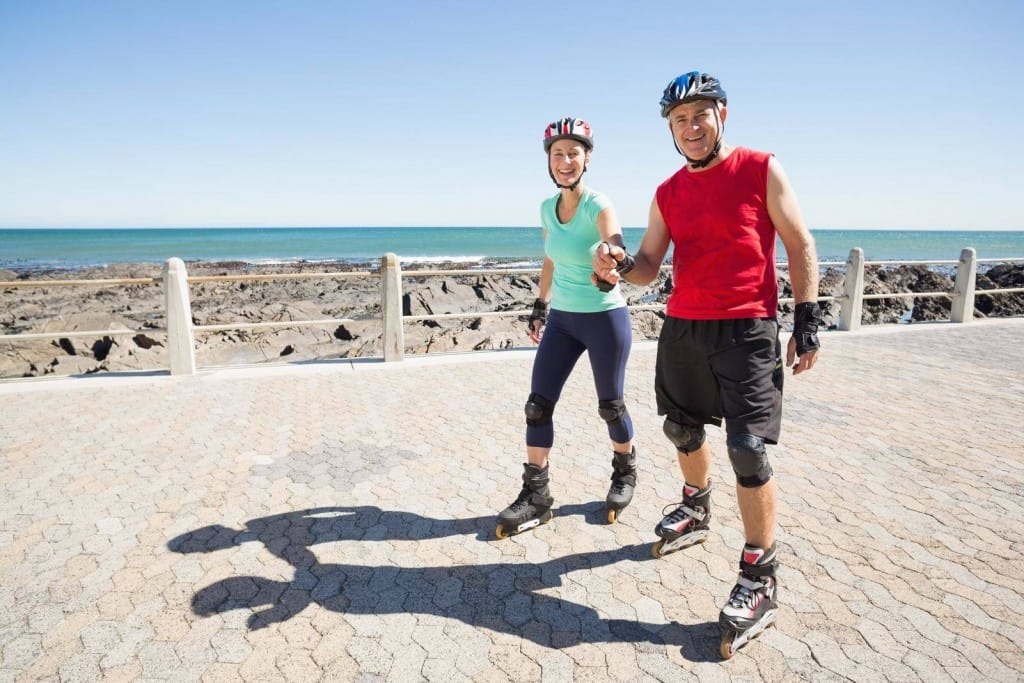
255 113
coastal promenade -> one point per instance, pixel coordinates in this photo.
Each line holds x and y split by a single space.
335 520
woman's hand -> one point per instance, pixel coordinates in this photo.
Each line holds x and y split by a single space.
538 317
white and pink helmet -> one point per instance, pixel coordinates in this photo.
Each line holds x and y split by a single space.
568 128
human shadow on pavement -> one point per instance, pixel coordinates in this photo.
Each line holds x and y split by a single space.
594 512
505 597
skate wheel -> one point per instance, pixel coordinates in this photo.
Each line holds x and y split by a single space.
613 514
727 650
500 532
656 549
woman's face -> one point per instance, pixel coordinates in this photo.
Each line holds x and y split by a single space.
567 159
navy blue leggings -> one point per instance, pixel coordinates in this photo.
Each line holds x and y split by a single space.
606 337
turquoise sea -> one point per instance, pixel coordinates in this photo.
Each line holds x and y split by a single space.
44 249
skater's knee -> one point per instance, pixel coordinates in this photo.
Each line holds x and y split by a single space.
749 460
613 412
687 438
538 410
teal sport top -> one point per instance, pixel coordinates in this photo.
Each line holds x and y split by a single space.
571 246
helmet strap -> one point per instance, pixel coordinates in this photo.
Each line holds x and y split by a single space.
566 187
702 163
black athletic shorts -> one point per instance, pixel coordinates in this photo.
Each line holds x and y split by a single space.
708 370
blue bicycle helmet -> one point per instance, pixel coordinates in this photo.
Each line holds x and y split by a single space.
689 87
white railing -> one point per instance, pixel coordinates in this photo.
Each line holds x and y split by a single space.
181 331
962 308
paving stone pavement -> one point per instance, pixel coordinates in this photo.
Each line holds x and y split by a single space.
335 521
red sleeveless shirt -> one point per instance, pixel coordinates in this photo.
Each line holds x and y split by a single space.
723 261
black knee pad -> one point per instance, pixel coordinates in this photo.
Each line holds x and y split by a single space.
538 410
749 460
612 412
686 437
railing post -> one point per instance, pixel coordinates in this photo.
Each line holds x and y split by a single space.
391 307
962 310
180 339
852 308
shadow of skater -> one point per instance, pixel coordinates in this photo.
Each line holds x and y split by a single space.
503 597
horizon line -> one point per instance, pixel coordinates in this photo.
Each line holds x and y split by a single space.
432 227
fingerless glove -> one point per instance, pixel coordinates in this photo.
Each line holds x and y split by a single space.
806 321
540 312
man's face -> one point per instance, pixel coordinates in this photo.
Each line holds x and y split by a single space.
696 126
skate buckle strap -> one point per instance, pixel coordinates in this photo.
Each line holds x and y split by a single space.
527 497
619 470
753 555
518 504
683 512
536 497
744 592
757 570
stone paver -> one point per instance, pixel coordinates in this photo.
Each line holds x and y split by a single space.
336 521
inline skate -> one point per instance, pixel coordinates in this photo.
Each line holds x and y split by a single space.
623 483
531 508
753 602
687 524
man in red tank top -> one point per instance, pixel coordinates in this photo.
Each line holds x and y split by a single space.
719 356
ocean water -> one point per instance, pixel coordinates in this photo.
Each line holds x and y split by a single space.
39 249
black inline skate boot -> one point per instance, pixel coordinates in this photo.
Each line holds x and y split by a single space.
531 508
752 604
687 524
623 482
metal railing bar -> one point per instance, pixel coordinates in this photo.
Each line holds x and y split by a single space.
71 283
453 316
1008 290
785 264
910 263
907 295
495 314
282 276
84 333
478 271
229 327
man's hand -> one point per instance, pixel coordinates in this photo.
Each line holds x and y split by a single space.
803 346
805 361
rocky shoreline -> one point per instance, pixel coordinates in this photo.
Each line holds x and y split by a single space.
140 307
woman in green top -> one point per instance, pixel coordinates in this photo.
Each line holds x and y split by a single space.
582 318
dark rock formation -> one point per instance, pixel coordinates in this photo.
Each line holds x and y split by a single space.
141 307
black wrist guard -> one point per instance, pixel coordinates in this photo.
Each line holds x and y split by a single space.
540 312
622 266
806 321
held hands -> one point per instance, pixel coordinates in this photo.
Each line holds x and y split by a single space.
804 342
610 263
